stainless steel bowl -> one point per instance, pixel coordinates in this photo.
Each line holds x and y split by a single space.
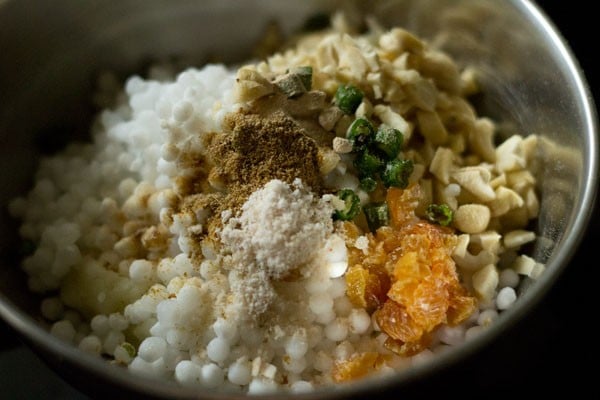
50 52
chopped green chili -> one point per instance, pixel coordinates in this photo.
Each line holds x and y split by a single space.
351 205
305 73
295 82
397 173
440 214
389 141
348 98
128 347
360 133
368 184
368 163
377 215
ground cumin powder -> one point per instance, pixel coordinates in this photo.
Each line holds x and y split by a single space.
251 151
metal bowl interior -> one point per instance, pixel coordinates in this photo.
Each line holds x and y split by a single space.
51 52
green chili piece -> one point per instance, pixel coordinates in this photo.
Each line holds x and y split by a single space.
397 173
351 205
295 82
368 163
440 214
305 73
377 215
389 141
128 347
360 133
348 98
368 184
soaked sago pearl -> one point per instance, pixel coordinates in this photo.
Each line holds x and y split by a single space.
486 317
100 325
296 346
52 308
508 278
188 373
422 357
344 350
117 322
326 317
301 387
226 330
212 375
359 320
152 348
342 306
141 270
261 386
473 331
63 330
112 340
506 298
320 303
91 344
218 350
452 335
294 365
239 373
124 353
337 330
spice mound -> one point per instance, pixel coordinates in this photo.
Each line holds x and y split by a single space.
335 211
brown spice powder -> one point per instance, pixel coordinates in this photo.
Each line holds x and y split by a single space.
251 151
254 150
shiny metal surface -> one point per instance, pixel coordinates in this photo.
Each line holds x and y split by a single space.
50 52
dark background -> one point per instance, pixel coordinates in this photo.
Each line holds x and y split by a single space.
554 350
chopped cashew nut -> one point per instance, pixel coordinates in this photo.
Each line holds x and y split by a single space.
329 117
446 194
420 91
393 119
460 249
509 156
398 41
328 160
471 262
485 282
442 164
505 201
520 181
432 127
488 240
252 85
518 238
498 181
477 181
537 270
524 265
365 109
532 203
342 145
439 67
481 139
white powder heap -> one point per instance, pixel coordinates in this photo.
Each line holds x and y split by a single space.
280 230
